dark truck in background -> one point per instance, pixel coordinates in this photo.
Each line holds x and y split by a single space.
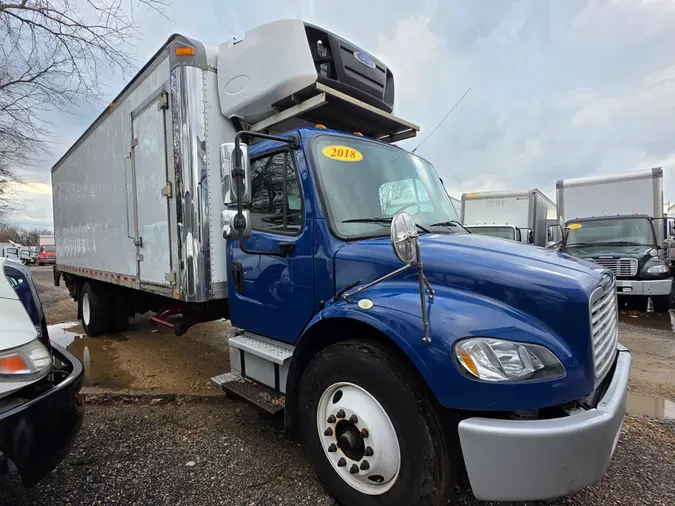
617 221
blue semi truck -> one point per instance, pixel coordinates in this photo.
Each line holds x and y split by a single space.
406 351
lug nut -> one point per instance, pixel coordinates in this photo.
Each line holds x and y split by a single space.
341 414
354 469
369 452
331 419
354 419
365 433
365 465
332 448
342 462
328 432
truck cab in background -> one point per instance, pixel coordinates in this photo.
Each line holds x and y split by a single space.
404 350
521 216
617 221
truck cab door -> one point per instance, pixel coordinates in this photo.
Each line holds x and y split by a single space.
273 294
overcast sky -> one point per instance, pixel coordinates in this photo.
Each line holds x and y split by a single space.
559 89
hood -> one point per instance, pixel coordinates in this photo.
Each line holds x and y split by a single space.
633 251
548 285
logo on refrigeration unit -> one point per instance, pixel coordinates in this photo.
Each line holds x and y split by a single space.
365 59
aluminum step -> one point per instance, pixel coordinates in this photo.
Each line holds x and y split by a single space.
261 359
262 347
254 393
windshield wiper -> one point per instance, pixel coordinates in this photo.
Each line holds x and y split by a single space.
581 244
451 223
381 220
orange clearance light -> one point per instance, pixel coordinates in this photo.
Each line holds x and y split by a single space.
358 133
12 364
319 125
185 51
468 362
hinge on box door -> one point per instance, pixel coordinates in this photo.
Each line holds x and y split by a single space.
170 277
167 190
134 142
163 102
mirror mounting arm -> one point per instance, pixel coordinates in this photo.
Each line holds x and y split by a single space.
424 284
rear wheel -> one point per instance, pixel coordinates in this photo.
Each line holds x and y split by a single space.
94 310
373 435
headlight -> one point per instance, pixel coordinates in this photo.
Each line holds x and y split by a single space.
659 268
28 362
500 360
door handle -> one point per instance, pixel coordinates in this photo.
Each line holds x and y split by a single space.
286 248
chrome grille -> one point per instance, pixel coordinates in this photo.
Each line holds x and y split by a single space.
604 328
622 267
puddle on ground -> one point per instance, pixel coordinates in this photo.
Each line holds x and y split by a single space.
96 353
656 407
662 321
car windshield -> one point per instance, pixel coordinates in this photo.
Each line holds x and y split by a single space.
628 231
501 232
49 249
363 179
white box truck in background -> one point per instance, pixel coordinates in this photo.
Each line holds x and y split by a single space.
522 216
617 221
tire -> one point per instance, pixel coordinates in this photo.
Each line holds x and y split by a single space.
661 303
119 313
416 466
94 308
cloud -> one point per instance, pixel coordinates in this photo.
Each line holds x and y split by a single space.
558 89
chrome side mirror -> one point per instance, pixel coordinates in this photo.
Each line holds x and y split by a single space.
227 224
404 238
227 180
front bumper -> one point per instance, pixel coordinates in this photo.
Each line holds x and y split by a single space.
514 460
36 433
644 287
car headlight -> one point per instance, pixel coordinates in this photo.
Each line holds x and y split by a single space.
656 266
25 363
500 360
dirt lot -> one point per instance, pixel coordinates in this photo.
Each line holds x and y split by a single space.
206 449
146 358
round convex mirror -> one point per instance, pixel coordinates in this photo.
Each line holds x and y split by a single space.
404 237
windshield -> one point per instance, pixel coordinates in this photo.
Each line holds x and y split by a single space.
365 179
49 249
501 232
629 231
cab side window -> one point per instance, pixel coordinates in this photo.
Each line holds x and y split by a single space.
276 195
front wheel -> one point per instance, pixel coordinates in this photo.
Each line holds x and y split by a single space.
373 435
661 303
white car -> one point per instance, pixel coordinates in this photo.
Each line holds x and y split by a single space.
40 414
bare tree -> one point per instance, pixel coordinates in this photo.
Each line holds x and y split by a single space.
55 54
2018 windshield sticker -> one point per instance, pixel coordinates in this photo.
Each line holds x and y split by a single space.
574 226
342 153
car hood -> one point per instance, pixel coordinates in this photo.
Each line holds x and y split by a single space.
636 251
548 285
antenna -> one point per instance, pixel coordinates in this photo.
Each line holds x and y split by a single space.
446 117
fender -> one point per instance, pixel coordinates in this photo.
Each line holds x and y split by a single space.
453 315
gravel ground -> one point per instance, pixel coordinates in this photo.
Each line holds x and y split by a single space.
219 451
156 449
